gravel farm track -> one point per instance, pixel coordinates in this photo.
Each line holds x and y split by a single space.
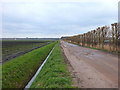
91 68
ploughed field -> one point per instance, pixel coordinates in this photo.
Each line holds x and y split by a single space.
13 48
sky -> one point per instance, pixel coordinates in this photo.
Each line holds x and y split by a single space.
55 18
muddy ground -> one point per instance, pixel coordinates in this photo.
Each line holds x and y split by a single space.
91 68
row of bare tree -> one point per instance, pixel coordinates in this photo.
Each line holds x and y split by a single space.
102 38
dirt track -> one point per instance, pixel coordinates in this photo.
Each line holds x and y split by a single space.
92 68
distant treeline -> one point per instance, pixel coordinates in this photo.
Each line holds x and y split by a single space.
102 38
30 38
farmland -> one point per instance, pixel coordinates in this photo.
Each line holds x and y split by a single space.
88 63
56 73
17 72
14 48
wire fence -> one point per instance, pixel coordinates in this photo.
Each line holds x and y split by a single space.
105 37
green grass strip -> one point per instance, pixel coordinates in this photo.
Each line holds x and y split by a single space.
96 48
54 73
17 72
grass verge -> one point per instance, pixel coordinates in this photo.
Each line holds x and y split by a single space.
54 73
105 50
17 72
96 48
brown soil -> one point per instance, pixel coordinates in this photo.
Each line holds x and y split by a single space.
6 58
91 68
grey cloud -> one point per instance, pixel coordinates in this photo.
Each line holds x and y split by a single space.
55 19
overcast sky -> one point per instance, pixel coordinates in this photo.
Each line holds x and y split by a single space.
55 18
